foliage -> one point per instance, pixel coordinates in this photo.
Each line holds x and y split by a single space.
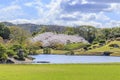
16 47
107 47
4 31
57 46
47 50
18 34
1 40
71 52
21 54
3 51
10 53
73 46
69 30
114 45
88 32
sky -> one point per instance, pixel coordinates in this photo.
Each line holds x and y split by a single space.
98 13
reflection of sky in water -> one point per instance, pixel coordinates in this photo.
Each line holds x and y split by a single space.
76 59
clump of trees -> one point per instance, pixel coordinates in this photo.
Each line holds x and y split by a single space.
90 33
12 43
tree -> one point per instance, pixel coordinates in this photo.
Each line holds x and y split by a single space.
46 50
18 34
4 31
3 55
69 30
88 32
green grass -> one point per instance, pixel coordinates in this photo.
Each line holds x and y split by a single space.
116 51
74 46
53 51
60 72
107 48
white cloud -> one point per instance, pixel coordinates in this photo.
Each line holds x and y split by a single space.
115 7
11 8
112 23
29 4
63 12
10 12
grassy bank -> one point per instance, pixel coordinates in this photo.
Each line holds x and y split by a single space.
95 49
60 72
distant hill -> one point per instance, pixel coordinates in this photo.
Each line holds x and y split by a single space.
35 27
8 24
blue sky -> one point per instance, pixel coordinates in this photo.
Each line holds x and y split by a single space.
99 13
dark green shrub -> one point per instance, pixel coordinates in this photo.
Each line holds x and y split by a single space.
114 45
107 53
71 52
21 54
95 42
102 41
46 50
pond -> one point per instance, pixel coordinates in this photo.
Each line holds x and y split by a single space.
63 59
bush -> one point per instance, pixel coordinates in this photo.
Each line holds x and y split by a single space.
95 42
114 45
3 51
16 47
107 53
37 45
102 41
57 46
16 57
71 52
33 52
10 53
47 50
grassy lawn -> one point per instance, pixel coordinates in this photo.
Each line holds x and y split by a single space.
107 48
77 50
74 46
53 51
60 72
116 51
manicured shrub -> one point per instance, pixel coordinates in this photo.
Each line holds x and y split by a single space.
95 42
114 45
107 53
102 41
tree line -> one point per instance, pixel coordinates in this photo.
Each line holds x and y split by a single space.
90 33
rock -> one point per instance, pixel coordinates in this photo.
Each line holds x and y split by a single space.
43 62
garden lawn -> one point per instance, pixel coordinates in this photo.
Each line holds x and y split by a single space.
60 72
